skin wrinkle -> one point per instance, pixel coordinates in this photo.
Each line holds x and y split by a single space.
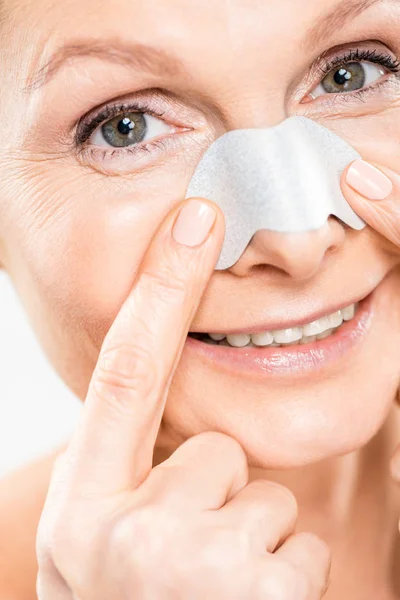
343 12
155 61
137 56
73 269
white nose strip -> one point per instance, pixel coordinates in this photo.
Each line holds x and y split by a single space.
285 178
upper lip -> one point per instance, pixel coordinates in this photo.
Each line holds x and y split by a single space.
299 322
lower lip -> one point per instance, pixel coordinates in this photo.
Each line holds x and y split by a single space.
291 360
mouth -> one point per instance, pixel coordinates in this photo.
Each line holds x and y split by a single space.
319 329
290 351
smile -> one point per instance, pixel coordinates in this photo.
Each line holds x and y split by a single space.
291 351
292 336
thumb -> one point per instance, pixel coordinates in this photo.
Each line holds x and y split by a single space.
373 192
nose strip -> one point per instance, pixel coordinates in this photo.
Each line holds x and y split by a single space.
285 178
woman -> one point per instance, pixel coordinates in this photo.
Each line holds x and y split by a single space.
276 458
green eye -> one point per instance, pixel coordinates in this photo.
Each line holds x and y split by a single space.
129 129
349 77
125 130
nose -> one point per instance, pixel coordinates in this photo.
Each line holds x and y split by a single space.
299 255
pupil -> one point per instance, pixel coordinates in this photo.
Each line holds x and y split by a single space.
125 126
123 131
342 76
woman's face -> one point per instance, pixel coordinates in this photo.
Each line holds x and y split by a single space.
83 192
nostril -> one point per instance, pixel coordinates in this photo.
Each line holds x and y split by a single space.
299 255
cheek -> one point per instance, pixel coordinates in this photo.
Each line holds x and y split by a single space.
74 256
283 429
290 424
94 270
376 137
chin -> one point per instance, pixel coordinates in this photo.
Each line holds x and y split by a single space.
294 404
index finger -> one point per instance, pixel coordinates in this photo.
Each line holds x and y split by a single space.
374 194
112 448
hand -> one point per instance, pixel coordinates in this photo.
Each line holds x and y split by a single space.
374 194
192 527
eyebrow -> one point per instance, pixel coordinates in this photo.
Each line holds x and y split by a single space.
158 62
134 55
336 19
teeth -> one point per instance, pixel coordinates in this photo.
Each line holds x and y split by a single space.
262 339
317 327
317 330
238 340
325 334
348 312
217 337
287 336
307 339
336 319
295 343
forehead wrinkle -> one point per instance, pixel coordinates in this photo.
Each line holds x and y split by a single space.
337 18
134 55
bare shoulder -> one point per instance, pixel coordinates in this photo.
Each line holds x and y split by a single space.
22 496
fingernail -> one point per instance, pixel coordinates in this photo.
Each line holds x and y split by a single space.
194 223
368 181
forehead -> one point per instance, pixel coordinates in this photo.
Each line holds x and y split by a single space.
155 10
254 47
165 20
196 31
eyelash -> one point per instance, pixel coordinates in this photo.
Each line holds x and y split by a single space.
86 127
386 60
372 56
85 130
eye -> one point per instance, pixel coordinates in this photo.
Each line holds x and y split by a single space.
349 77
128 129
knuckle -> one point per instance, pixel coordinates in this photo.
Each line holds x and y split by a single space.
217 547
124 369
313 540
223 450
221 442
322 554
285 582
141 536
166 285
261 487
284 495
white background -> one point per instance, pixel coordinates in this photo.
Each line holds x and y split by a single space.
37 411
